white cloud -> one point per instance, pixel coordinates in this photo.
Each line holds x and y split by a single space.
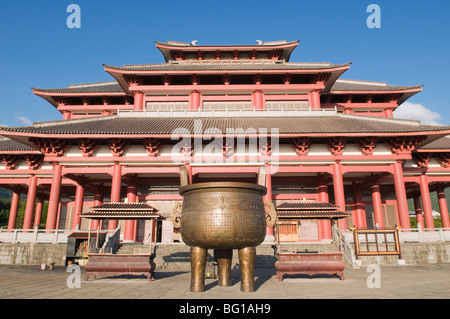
418 112
25 120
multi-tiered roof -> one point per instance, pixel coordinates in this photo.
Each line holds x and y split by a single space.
207 78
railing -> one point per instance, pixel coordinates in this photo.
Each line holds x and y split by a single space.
35 236
418 235
422 235
226 112
344 239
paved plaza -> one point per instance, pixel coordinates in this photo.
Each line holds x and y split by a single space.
382 282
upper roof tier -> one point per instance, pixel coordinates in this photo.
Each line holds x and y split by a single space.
160 124
209 69
274 50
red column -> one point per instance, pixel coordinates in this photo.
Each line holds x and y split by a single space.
138 101
130 225
324 224
78 209
115 191
38 213
31 199
360 216
377 207
13 210
268 196
418 210
67 115
98 200
426 201
400 193
258 100
55 192
195 100
388 113
339 195
443 208
314 99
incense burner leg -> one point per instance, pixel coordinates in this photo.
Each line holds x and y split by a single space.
198 264
224 257
247 258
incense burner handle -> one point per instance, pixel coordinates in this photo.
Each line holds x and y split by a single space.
271 217
176 214
184 176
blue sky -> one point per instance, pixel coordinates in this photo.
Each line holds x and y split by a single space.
37 49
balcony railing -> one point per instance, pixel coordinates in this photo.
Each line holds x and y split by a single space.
34 236
226 113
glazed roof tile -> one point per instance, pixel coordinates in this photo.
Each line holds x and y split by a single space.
309 209
101 87
306 205
354 85
442 143
7 144
339 85
120 125
312 214
224 66
122 211
189 44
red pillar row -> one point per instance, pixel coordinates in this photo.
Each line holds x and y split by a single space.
98 200
115 191
67 115
31 200
360 213
339 194
78 209
195 100
426 201
388 112
55 193
138 101
400 193
418 210
130 225
324 225
258 100
314 100
377 207
13 210
38 213
443 208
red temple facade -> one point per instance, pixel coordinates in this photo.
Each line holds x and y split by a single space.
223 111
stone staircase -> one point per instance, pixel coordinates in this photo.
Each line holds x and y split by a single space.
176 256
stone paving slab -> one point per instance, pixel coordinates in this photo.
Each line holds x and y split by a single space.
396 282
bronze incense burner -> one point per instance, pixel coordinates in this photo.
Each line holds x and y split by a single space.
222 216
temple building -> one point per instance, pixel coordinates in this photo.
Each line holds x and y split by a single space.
331 145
